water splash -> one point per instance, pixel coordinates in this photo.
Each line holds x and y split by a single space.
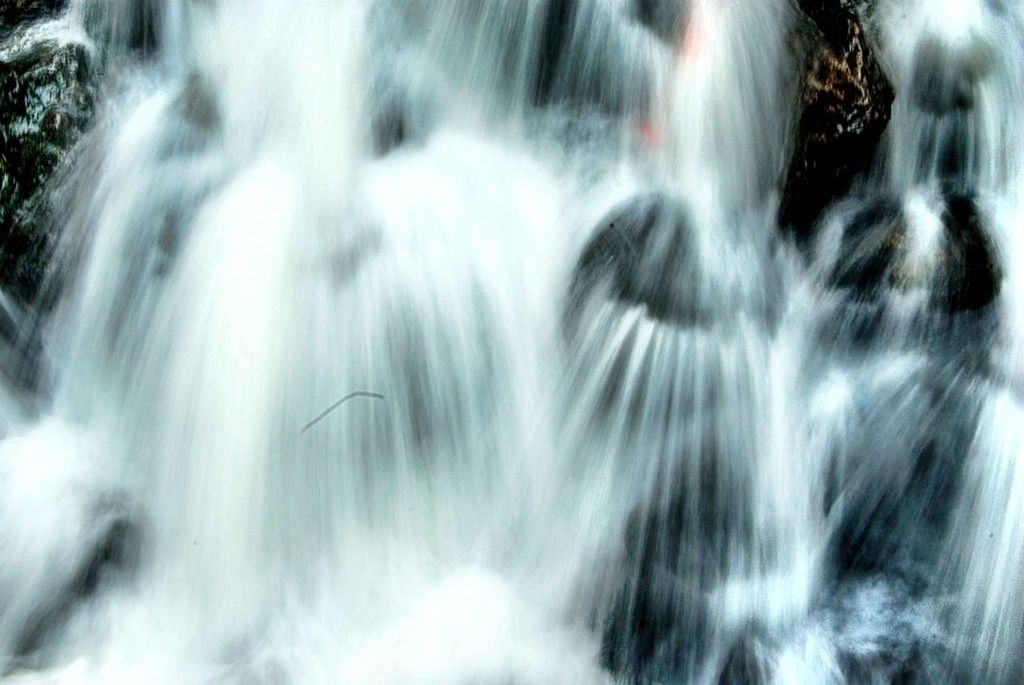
613 429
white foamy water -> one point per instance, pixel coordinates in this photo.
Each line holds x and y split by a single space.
415 342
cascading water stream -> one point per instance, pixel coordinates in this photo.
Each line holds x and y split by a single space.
416 342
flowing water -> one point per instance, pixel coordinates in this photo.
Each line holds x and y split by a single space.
453 342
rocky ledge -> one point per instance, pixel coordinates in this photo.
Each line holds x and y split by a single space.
46 103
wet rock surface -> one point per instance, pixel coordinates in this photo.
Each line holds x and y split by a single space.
874 260
15 12
869 247
846 106
894 515
46 103
972 277
661 623
642 253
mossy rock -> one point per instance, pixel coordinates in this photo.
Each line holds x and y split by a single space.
46 103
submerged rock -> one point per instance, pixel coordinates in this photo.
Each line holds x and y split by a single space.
869 250
643 254
47 103
972 275
679 545
961 273
847 103
648 252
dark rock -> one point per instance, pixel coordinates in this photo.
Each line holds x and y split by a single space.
692 521
847 103
832 17
47 98
873 253
643 254
903 455
902 470
678 547
870 248
116 552
997 6
664 18
971 277
15 12
894 529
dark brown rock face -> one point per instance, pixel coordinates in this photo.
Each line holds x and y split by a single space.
847 102
46 102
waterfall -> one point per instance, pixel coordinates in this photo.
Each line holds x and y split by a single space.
457 342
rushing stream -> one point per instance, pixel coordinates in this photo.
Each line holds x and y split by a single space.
454 342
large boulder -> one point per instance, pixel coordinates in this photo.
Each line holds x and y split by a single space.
46 103
847 103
